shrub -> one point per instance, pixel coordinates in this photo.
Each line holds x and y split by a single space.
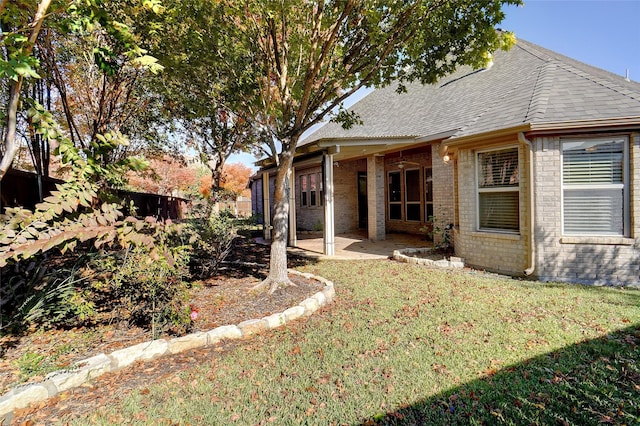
43 291
211 236
139 269
145 290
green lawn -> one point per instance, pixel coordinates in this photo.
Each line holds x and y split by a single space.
403 344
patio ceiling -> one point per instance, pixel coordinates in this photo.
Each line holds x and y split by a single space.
351 149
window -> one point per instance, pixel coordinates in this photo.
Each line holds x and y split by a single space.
303 190
428 194
498 190
594 183
395 196
311 190
412 202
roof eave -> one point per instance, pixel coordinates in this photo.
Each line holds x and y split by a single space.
618 123
558 127
484 136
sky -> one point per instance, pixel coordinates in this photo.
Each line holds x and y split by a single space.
602 33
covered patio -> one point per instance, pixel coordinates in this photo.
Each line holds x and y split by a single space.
353 245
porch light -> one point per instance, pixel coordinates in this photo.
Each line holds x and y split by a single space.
446 158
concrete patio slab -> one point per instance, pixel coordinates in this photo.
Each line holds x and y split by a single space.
354 245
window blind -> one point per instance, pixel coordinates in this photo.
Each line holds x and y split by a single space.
498 168
589 163
499 210
498 190
593 186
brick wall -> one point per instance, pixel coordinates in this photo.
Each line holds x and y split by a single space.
443 194
500 252
601 260
345 193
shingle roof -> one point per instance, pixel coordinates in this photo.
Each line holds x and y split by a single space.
526 85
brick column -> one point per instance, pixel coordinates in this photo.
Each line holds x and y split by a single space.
443 192
375 198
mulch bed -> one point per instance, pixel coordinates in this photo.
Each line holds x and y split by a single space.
224 299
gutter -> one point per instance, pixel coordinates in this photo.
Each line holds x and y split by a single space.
531 241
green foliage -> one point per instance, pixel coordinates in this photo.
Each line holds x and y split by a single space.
145 290
211 236
140 270
53 299
31 364
436 227
73 214
34 364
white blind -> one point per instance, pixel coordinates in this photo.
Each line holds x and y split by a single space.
593 179
499 210
592 162
593 212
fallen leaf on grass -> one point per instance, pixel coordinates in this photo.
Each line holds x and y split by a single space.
295 351
440 368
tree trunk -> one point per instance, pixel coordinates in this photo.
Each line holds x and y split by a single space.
278 274
10 143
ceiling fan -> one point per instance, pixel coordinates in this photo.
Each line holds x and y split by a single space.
402 163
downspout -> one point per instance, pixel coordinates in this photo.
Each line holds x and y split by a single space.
532 248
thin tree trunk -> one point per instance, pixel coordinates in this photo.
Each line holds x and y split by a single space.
10 144
278 274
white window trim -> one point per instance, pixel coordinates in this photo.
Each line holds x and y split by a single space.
427 203
626 197
319 190
406 201
479 190
401 202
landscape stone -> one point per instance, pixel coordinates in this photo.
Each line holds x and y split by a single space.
329 293
310 305
94 366
142 351
293 313
190 341
21 397
320 297
253 326
223 332
66 379
275 320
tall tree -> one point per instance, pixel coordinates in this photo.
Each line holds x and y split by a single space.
98 66
46 27
17 63
205 84
308 57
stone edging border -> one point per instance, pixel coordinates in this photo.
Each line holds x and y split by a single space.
404 255
82 371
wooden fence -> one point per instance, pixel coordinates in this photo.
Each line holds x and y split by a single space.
20 188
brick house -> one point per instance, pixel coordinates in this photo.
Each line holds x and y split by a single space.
534 161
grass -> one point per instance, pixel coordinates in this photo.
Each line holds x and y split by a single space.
408 345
